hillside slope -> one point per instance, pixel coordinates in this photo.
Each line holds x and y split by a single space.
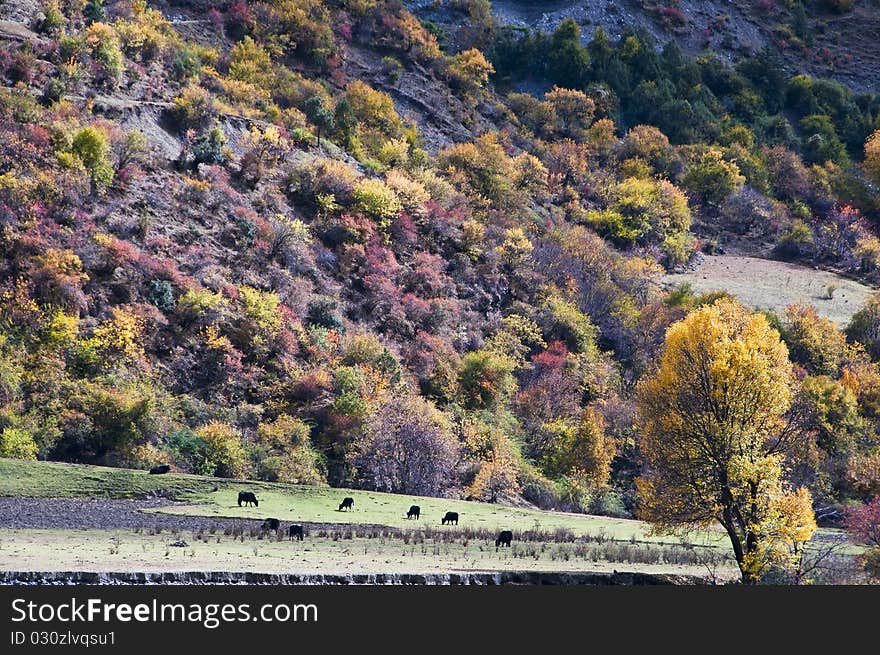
812 37
325 242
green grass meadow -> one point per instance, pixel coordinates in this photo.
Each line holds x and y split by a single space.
61 480
298 503
375 537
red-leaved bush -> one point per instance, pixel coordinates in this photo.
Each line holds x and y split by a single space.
863 522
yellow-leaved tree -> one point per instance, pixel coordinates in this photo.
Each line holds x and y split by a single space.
714 433
872 156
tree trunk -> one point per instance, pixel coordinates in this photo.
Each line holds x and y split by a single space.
730 525
736 542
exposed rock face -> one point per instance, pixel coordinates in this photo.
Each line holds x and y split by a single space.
730 28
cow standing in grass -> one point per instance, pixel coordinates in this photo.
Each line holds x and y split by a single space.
271 525
450 518
414 512
295 531
247 498
347 503
504 538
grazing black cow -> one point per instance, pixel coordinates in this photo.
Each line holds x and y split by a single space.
450 518
248 498
414 511
158 470
295 531
504 538
271 524
347 503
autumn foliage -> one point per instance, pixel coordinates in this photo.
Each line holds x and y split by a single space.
714 434
327 242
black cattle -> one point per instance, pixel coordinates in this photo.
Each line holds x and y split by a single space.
248 498
504 538
295 531
158 470
451 517
271 524
347 503
414 511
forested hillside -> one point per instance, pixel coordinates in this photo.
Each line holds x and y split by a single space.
329 242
